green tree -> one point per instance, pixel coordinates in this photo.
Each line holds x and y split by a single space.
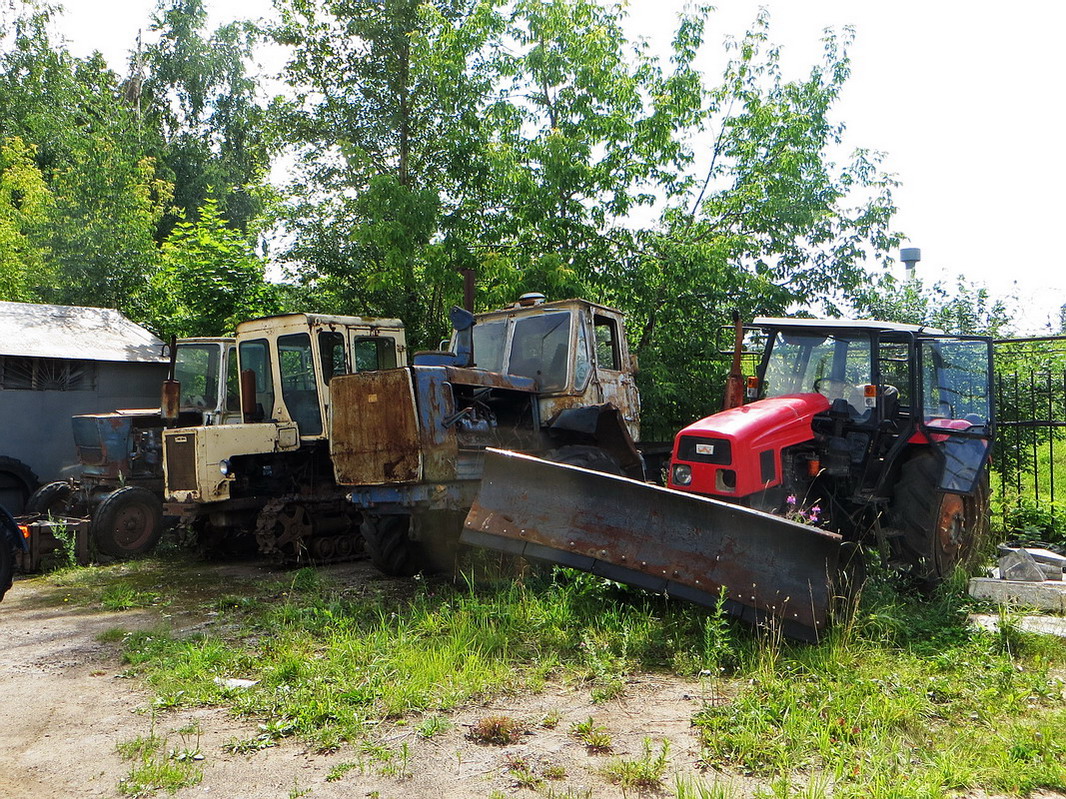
210 279
197 91
90 149
26 206
966 309
386 125
772 224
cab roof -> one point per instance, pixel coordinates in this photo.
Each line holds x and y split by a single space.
844 324
264 323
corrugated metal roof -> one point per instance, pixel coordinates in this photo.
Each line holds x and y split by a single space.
74 333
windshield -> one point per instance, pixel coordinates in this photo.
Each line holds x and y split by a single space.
196 367
837 365
540 346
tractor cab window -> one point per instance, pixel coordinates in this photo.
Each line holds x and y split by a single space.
255 358
607 352
299 388
331 347
582 359
894 365
540 348
196 368
836 365
233 382
374 352
489 341
955 382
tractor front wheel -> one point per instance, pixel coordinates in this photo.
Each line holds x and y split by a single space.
587 457
128 522
389 545
941 531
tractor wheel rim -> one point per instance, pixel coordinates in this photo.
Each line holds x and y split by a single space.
951 528
133 526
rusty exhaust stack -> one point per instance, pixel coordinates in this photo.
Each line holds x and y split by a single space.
170 398
734 384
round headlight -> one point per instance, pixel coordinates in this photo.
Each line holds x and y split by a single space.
682 474
225 467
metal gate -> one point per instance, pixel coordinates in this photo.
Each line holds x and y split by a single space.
1029 462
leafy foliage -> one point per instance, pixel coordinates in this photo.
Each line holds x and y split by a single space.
210 280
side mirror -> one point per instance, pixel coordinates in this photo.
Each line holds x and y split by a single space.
461 318
634 366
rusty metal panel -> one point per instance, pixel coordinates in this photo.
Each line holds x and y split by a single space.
656 538
436 422
374 437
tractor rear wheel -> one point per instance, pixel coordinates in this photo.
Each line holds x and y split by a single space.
17 483
389 545
128 522
7 564
52 499
941 531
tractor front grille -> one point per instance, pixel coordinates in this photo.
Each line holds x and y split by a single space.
181 461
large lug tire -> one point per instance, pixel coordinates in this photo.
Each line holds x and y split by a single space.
389 546
52 499
587 457
941 531
17 483
128 522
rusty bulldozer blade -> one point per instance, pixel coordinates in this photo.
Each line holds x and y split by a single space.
771 570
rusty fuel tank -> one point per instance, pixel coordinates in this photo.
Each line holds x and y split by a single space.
770 569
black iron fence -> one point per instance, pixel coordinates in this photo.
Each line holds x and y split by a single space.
1029 461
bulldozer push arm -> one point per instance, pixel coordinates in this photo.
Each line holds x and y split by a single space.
691 547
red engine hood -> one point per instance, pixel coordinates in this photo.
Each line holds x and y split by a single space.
745 444
763 422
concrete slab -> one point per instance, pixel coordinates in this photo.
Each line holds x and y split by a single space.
1043 596
1045 625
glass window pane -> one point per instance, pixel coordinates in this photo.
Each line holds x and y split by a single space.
196 368
837 366
255 357
299 389
582 360
375 352
489 340
331 345
233 382
607 356
955 381
540 349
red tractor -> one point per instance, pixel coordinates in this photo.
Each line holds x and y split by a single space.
880 432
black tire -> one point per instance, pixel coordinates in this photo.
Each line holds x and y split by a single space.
587 457
389 545
8 541
17 483
128 522
7 564
52 499
941 531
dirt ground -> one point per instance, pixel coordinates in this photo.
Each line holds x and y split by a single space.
66 705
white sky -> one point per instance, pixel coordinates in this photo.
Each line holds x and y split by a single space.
965 98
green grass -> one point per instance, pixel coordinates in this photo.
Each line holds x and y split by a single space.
645 773
158 766
905 700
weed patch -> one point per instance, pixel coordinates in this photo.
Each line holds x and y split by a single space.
496 730
644 773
